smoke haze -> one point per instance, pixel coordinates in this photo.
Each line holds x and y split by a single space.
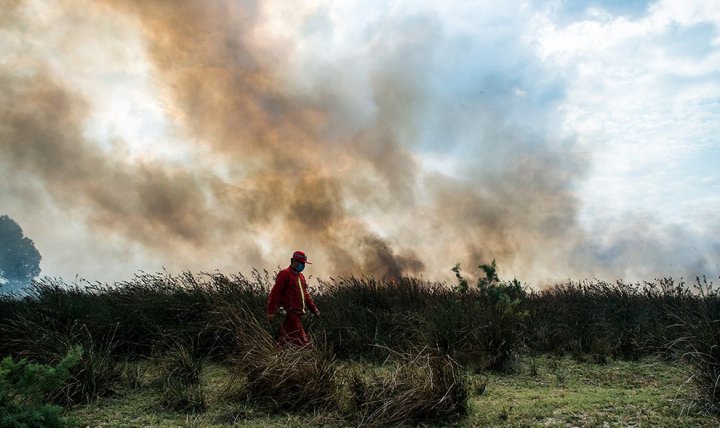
201 135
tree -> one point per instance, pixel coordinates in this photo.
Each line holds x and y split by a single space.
19 259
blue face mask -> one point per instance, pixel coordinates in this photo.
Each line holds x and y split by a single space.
299 268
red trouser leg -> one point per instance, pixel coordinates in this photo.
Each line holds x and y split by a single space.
291 330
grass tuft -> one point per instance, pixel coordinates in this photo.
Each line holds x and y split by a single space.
420 388
181 379
288 378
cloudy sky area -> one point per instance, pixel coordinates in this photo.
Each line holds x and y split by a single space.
565 139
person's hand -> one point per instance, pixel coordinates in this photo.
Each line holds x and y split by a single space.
317 312
270 317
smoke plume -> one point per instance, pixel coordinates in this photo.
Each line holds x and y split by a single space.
283 153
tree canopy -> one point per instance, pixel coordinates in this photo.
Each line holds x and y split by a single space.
19 259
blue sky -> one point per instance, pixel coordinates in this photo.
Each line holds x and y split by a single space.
578 138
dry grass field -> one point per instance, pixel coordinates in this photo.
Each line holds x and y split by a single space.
195 350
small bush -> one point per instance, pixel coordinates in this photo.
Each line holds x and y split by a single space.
487 324
25 387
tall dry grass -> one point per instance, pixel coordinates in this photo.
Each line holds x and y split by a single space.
181 377
280 378
607 320
480 326
698 341
420 387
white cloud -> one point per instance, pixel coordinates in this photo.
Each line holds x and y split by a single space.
645 109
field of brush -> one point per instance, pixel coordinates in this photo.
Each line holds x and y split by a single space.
195 350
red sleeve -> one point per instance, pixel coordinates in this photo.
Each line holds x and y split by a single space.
308 299
276 292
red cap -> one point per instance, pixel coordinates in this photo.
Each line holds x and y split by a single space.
301 257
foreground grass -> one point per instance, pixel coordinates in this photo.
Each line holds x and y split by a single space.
552 391
542 391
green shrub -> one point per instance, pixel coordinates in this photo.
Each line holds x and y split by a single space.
487 323
25 388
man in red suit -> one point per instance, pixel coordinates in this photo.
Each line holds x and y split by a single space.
290 292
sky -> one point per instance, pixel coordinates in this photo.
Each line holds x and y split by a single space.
565 139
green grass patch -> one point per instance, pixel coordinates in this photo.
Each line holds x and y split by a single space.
541 391
559 391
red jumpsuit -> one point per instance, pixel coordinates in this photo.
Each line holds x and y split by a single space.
290 292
